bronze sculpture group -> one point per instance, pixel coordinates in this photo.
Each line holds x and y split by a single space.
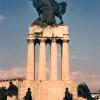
11 91
48 10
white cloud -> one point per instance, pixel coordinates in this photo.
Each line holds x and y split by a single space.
2 18
12 72
92 80
75 57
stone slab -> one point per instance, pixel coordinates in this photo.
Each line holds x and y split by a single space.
12 98
47 32
49 90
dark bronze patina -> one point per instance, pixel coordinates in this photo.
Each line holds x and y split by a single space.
83 91
47 10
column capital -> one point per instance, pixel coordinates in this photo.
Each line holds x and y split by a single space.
65 40
42 40
30 40
53 40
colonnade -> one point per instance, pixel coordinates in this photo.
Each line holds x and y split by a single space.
42 59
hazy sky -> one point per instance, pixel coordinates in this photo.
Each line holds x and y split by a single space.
82 18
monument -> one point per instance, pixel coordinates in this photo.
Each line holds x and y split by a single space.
45 30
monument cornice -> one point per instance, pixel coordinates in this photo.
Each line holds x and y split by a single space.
59 31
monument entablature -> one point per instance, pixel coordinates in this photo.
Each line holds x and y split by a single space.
48 33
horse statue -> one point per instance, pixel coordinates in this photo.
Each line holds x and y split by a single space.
3 93
83 91
48 9
11 91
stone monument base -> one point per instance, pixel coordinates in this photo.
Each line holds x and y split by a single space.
12 98
41 88
47 90
80 98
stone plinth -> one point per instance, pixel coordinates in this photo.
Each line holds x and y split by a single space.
12 98
52 89
49 90
80 98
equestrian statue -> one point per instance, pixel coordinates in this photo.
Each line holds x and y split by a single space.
49 9
83 91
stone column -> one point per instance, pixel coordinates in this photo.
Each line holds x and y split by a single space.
65 60
30 60
42 61
53 60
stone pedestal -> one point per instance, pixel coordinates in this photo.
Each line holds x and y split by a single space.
80 98
12 98
49 90
52 89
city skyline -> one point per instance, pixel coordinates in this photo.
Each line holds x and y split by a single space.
82 18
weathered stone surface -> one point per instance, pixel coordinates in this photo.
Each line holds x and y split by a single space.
52 89
47 32
49 90
12 98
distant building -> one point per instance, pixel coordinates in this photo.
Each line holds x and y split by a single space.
15 80
96 95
